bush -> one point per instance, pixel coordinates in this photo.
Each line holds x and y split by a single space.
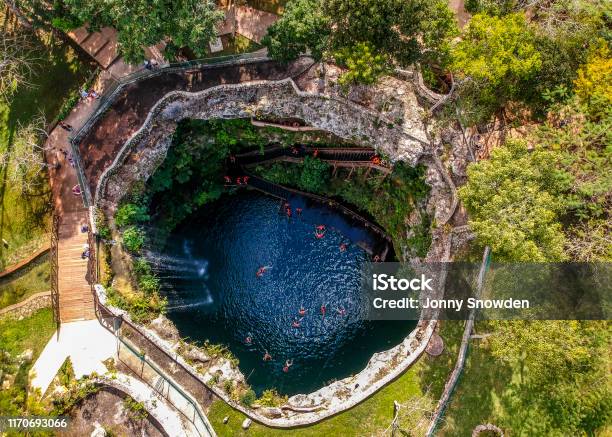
271 398
248 398
315 174
131 214
133 239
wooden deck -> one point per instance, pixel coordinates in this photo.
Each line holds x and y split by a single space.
75 297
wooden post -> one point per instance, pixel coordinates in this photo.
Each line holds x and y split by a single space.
348 178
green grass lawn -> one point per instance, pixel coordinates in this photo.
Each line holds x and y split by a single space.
32 279
15 337
30 333
425 379
24 216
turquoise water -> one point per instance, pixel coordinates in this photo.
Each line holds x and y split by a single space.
208 273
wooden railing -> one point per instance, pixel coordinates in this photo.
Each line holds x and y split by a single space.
55 222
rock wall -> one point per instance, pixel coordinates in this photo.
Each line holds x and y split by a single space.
147 148
27 307
406 139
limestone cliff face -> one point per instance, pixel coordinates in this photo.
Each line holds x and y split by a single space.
389 118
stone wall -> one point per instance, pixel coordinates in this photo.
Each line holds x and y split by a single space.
26 308
407 141
147 148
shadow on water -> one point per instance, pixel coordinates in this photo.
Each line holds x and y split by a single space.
208 272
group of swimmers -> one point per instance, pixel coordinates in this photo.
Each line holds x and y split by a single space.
295 324
241 180
287 208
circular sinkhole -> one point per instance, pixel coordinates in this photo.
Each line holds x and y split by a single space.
209 273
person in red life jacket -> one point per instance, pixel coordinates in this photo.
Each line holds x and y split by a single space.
319 235
376 258
376 160
288 212
228 180
267 356
323 310
260 271
343 247
296 324
288 364
232 159
294 150
302 311
248 340
245 179
315 153
299 211
320 227
341 311
238 181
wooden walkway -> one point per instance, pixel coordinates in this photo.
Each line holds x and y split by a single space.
75 296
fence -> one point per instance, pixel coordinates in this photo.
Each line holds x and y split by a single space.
55 221
116 87
162 372
455 375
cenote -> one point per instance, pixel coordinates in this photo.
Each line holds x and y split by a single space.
208 273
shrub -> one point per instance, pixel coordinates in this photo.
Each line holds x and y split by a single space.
133 239
248 398
131 214
135 410
315 174
271 398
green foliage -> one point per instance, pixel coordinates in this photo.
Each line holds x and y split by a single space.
65 374
390 199
143 23
271 398
131 214
594 83
192 173
515 202
141 308
364 66
494 61
303 27
136 411
315 174
562 366
133 239
397 29
65 402
248 398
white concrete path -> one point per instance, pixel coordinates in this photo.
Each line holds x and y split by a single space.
87 344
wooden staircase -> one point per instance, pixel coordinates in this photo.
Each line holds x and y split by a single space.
75 296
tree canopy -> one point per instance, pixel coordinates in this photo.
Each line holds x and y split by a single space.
403 31
142 23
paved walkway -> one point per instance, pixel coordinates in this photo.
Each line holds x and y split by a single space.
87 344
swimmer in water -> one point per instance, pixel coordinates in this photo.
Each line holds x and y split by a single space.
248 340
302 311
323 310
341 311
296 324
343 247
288 364
319 235
320 227
267 356
261 271
298 210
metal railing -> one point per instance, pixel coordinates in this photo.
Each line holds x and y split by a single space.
162 372
53 264
110 94
455 376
